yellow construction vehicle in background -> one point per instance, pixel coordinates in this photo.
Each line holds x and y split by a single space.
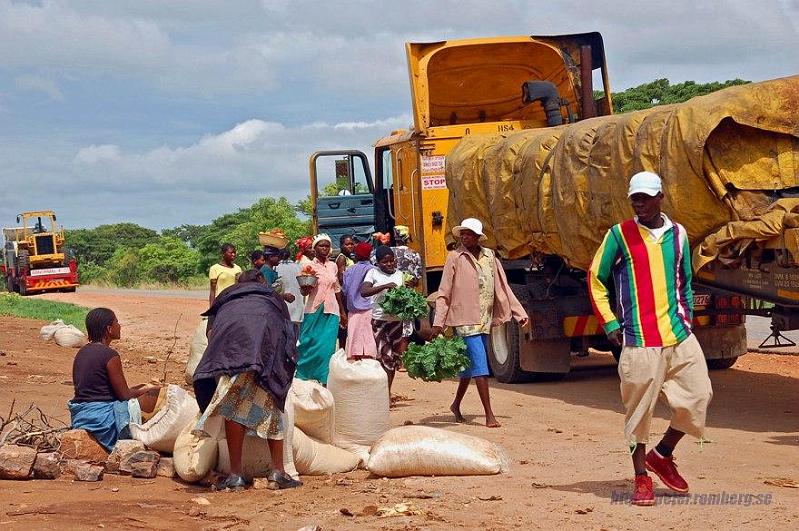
34 258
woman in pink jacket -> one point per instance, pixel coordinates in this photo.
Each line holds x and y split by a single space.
474 295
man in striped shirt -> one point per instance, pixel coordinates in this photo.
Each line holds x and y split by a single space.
648 260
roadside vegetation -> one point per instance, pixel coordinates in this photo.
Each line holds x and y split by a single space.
13 305
129 255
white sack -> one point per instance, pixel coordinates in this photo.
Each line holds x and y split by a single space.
196 349
256 459
48 330
360 393
69 336
426 451
313 409
161 431
316 458
194 455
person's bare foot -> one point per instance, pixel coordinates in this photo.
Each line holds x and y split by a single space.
457 412
492 422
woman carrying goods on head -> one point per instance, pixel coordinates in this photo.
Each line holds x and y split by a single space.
323 315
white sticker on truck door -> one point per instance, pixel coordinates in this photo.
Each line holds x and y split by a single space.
433 173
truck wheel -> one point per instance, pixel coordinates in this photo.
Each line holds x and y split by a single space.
718 364
504 356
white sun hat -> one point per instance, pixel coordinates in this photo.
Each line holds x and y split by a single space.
473 225
645 182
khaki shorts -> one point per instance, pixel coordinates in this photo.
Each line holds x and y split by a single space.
678 374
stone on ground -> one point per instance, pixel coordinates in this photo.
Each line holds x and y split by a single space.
89 472
166 468
78 444
47 465
123 449
142 456
16 462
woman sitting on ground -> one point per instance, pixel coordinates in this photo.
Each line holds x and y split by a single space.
104 405
246 371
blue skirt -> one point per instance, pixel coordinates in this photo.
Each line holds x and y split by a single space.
477 351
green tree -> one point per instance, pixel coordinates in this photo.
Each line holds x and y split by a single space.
167 260
123 267
241 228
99 244
189 234
661 92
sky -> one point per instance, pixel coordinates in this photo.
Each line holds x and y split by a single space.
165 113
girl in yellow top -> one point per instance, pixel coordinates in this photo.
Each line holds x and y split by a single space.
224 274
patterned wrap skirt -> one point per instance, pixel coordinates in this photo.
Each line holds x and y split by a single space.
389 336
239 398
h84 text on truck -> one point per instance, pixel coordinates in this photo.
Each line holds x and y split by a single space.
507 130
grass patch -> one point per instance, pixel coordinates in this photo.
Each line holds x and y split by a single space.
30 308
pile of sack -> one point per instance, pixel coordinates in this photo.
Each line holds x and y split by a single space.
333 429
63 334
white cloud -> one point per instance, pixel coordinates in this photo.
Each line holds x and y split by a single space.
254 158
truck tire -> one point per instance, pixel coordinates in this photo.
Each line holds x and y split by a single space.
503 355
719 364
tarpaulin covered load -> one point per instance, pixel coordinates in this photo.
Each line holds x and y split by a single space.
726 160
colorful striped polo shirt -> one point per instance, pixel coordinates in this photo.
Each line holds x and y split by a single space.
652 277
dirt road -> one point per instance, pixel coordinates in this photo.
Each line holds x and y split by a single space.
564 438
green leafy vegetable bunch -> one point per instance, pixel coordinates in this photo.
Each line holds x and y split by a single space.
434 361
404 303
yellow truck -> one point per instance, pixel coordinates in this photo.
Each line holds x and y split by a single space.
508 130
34 257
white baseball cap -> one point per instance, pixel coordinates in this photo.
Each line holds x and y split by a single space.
645 182
471 224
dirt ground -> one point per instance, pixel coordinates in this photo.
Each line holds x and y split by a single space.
564 438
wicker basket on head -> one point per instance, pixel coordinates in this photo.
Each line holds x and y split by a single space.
267 238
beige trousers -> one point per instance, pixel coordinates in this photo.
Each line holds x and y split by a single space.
678 374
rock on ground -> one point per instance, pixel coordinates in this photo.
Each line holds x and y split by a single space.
16 462
166 468
144 469
143 456
47 465
89 472
123 449
78 444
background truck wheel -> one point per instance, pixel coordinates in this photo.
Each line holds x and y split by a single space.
504 356
721 363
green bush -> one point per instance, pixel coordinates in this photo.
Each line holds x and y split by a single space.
168 260
123 268
91 273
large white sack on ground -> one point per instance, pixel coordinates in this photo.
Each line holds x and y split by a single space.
69 336
360 393
161 431
313 409
194 455
48 330
196 349
316 458
288 441
426 451
256 459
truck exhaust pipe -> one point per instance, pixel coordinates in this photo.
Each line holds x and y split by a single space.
547 93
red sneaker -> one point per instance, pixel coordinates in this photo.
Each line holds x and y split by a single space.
643 494
666 470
